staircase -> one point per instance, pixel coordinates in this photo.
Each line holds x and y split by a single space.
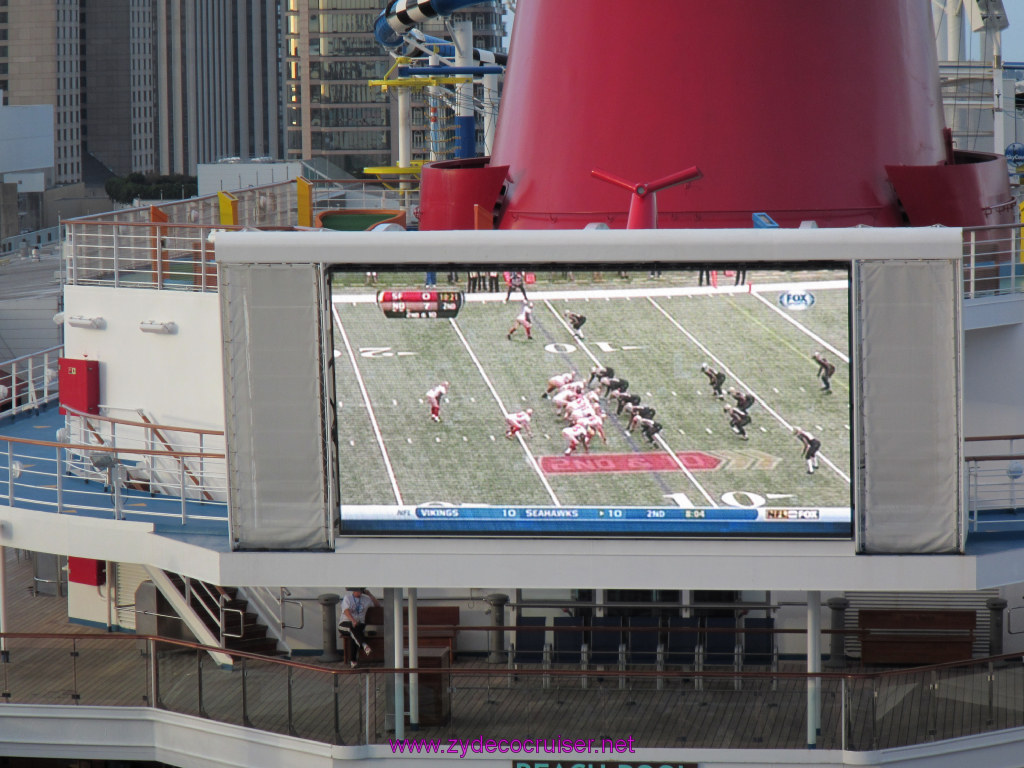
225 615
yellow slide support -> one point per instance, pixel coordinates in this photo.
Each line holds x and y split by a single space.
228 209
305 202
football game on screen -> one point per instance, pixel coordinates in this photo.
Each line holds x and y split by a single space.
679 401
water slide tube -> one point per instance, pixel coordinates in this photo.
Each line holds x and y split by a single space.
399 16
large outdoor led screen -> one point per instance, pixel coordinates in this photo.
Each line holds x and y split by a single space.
607 402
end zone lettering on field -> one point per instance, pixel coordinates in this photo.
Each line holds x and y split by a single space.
695 461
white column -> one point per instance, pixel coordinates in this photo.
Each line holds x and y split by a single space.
463 39
433 107
414 656
396 621
405 142
3 598
404 127
813 666
490 112
998 127
954 23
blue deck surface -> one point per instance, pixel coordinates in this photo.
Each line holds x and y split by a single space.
206 524
36 489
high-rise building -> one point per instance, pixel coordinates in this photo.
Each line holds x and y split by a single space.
330 56
40 64
217 72
118 100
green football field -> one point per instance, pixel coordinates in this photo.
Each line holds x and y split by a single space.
656 334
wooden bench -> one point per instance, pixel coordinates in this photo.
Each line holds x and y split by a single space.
437 628
916 637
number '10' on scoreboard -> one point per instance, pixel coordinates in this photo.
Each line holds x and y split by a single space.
420 304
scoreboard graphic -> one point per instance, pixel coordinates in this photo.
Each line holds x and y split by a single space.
420 304
602 521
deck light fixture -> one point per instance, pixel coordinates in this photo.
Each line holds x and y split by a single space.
80 321
155 326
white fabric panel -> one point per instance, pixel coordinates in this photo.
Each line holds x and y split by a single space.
907 318
271 317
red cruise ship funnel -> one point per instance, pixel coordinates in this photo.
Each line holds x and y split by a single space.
794 108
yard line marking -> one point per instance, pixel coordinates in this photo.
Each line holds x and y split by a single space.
504 412
564 324
661 440
723 367
369 408
802 327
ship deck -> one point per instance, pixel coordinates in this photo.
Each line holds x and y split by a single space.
756 711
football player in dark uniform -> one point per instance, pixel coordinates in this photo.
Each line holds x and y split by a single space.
738 420
515 283
825 371
599 372
639 414
624 398
715 378
809 452
744 400
576 321
649 428
613 384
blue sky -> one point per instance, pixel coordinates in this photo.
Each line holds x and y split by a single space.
1013 37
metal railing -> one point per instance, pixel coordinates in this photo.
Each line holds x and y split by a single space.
341 194
29 382
160 468
995 484
128 249
128 254
276 606
992 261
93 479
211 602
854 711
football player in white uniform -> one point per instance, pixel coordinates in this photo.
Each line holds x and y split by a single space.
519 422
575 436
524 319
434 396
557 382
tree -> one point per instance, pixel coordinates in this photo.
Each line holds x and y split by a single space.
136 186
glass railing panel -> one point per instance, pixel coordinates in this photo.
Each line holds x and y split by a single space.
178 680
313 705
39 671
111 673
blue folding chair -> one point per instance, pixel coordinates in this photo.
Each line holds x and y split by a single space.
528 647
644 640
568 642
604 640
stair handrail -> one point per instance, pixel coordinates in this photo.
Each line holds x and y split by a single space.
155 431
269 604
224 611
155 434
148 424
213 599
